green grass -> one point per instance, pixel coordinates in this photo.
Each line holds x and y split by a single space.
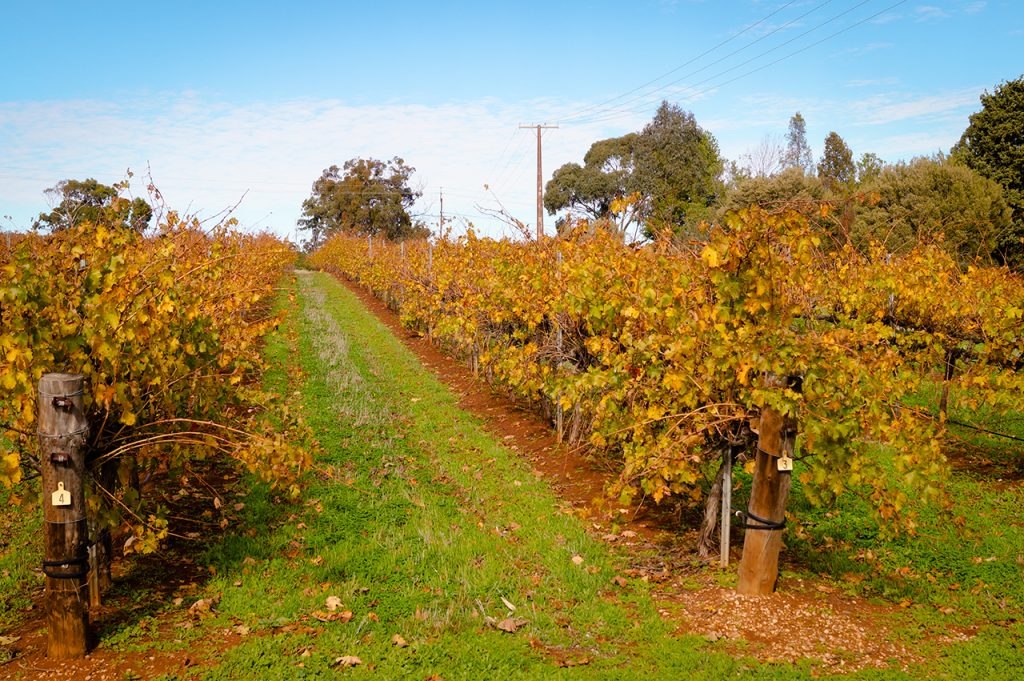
420 518
421 524
21 550
961 572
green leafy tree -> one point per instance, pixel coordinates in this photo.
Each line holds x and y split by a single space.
791 190
993 145
798 151
938 201
836 168
869 167
678 171
365 196
666 177
90 201
592 189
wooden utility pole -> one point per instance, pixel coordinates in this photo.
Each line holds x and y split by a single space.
540 177
63 430
766 512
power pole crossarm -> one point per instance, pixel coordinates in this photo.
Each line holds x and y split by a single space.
540 177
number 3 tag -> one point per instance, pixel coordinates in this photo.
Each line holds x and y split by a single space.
785 463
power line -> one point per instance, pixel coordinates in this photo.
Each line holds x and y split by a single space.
621 112
692 60
501 156
517 160
751 59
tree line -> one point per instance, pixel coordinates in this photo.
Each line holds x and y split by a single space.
670 178
674 181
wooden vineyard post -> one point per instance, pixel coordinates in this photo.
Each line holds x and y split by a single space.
766 512
724 534
63 430
430 284
559 415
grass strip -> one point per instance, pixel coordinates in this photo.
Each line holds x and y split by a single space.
424 528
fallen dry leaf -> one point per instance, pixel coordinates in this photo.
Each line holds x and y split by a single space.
347 661
573 662
577 559
510 624
342 617
507 604
201 607
620 580
333 603
398 641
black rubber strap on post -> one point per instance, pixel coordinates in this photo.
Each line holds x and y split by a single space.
81 572
764 524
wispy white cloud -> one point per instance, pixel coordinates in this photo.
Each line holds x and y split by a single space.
886 18
205 155
930 13
916 144
886 109
975 7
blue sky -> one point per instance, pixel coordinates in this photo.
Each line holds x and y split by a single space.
222 100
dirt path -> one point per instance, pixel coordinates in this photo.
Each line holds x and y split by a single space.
807 619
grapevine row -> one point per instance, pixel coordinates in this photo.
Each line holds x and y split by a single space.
661 356
166 328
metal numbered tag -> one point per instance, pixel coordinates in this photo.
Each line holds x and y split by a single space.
61 497
785 463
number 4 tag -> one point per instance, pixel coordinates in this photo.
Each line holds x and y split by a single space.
785 463
61 497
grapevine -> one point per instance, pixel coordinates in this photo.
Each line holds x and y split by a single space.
671 351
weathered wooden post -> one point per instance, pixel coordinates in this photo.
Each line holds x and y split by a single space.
63 430
766 512
430 283
724 533
559 415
